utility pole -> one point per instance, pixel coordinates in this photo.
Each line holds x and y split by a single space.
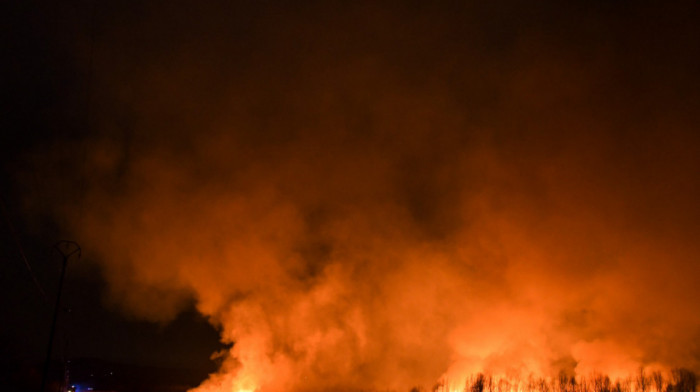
64 249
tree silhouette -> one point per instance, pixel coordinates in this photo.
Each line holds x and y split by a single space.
478 384
684 380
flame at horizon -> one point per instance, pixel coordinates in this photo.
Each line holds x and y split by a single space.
349 221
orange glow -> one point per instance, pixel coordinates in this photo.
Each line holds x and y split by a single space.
323 277
349 226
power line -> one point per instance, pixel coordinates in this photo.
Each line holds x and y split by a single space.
18 243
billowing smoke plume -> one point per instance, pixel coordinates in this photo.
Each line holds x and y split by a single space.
361 197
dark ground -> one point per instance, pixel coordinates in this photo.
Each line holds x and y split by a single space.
101 375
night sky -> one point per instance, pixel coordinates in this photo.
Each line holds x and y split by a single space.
321 179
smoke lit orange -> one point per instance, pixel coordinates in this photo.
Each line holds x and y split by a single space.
496 224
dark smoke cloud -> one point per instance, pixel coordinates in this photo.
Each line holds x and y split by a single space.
362 196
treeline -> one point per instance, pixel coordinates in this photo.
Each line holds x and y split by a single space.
680 380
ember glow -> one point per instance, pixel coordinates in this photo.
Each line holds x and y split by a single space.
348 225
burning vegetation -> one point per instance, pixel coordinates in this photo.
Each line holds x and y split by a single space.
681 380
378 211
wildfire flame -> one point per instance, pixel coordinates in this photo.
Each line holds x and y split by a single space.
347 225
326 270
